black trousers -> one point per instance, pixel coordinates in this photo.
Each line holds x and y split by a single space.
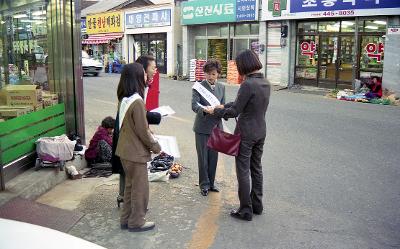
250 176
207 161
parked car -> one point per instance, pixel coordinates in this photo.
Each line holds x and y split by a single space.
16 234
90 65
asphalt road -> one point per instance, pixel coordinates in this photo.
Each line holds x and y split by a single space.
331 178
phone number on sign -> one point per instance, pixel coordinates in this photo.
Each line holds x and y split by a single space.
339 13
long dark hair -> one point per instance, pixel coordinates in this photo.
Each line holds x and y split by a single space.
131 81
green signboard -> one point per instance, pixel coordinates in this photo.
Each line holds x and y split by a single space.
208 11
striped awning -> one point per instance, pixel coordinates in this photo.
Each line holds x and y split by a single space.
102 38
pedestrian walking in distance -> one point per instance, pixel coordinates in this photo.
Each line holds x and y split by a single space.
250 107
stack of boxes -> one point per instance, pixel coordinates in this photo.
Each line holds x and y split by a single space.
233 76
17 100
192 76
199 70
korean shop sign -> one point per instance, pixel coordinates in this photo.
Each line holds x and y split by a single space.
300 9
375 51
146 19
110 22
215 11
308 48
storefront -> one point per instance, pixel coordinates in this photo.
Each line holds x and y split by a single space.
104 36
40 85
151 31
219 29
332 43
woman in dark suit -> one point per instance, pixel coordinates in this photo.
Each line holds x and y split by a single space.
207 158
250 107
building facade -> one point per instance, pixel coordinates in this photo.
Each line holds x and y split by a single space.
105 32
218 29
154 30
331 44
41 92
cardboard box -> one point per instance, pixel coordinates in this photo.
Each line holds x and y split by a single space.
23 95
8 112
49 99
3 97
39 106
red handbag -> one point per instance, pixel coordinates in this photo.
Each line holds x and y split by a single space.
224 142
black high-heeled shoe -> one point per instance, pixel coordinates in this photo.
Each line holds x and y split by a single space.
119 200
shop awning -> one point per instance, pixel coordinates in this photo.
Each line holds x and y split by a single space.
102 38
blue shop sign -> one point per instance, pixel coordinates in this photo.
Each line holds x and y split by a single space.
146 19
330 5
246 10
83 25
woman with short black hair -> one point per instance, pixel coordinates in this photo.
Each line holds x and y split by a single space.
203 96
250 107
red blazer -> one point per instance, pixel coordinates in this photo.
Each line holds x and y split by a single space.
152 100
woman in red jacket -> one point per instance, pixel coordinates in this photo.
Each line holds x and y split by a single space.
100 147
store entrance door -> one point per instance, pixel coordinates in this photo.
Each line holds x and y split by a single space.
336 61
155 45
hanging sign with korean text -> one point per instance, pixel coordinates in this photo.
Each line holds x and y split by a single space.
300 9
147 19
110 22
217 11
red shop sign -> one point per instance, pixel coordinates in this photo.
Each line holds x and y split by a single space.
308 48
375 51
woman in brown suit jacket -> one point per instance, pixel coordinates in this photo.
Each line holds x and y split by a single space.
134 147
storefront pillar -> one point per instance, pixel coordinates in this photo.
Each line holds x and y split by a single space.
185 50
291 53
391 67
263 46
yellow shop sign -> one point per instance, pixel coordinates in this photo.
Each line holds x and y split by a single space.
110 22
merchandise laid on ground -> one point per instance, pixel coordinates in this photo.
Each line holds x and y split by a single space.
387 97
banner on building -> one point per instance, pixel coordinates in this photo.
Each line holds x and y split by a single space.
300 9
216 11
148 19
110 22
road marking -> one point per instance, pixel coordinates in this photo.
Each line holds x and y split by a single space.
182 119
106 102
207 228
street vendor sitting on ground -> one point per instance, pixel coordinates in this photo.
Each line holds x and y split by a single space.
100 146
376 89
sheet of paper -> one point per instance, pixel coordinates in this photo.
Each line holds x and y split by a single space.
164 110
202 106
169 145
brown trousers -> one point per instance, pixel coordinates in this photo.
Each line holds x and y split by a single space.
136 196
